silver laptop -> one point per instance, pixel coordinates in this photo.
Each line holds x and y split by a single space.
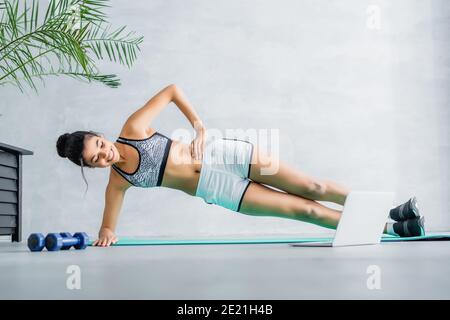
362 222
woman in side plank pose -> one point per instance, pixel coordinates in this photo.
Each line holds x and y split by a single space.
225 172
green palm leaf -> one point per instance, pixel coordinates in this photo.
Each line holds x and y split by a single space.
63 42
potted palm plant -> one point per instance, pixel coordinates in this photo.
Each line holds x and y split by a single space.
65 39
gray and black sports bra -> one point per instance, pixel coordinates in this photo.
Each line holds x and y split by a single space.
153 152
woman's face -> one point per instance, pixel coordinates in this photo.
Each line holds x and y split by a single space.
99 152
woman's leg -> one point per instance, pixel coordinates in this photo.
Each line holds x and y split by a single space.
260 200
293 181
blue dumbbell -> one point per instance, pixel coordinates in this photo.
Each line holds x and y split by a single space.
58 241
36 242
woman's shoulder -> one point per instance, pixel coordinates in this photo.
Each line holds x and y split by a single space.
133 133
118 181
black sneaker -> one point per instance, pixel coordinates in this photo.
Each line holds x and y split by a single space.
410 228
407 210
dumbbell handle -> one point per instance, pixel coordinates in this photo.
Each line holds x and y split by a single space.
68 242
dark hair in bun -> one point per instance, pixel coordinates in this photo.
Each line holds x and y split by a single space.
71 146
61 144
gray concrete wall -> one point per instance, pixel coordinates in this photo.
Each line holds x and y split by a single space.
356 99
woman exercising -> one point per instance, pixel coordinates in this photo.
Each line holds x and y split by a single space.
226 172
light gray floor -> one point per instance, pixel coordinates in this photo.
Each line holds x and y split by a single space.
410 270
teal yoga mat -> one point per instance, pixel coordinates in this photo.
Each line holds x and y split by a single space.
151 242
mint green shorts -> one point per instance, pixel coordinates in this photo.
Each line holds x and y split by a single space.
224 175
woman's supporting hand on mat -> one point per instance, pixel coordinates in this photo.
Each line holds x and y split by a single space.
106 237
